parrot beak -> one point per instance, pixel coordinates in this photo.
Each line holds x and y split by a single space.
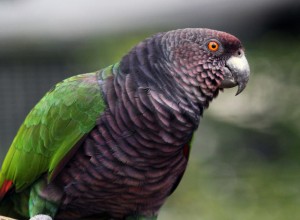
236 72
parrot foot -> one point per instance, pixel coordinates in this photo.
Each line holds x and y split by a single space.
41 217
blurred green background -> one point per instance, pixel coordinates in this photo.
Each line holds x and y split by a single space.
245 161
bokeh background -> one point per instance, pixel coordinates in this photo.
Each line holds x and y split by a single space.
245 162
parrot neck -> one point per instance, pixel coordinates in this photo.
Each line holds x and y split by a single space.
154 70
192 70
147 103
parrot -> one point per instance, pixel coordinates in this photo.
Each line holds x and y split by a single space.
115 143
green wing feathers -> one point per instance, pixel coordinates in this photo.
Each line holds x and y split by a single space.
62 117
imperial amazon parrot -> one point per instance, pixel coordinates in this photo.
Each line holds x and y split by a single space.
114 144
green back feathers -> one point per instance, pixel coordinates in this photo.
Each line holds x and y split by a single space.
61 118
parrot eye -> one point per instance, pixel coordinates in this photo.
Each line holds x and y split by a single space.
213 46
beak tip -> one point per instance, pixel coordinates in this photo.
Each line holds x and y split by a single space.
241 87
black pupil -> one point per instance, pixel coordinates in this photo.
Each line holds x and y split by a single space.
213 45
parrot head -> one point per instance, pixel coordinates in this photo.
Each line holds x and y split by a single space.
207 59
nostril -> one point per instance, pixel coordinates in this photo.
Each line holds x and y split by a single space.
239 52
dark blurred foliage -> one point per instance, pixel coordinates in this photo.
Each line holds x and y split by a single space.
245 159
285 19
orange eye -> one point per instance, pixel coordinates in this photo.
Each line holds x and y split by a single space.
213 46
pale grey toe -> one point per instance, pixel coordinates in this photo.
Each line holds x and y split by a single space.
41 217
